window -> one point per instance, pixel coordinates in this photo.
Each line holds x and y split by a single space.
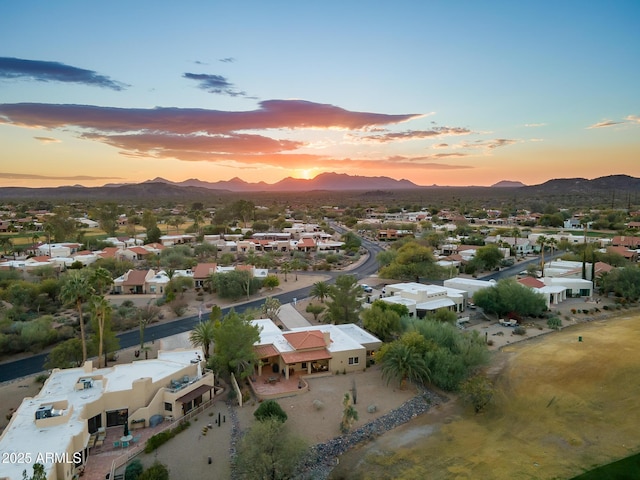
354 360
304 365
168 407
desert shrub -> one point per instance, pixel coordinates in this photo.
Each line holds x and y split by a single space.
163 437
133 470
554 323
318 405
179 307
268 410
519 330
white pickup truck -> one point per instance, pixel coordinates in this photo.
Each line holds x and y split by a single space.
508 323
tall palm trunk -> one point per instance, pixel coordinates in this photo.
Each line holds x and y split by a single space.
82 334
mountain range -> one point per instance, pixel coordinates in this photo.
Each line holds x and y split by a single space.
324 181
160 188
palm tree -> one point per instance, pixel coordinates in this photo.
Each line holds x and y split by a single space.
76 290
403 362
101 280
101 309
516 234
49 229
146 315
202 336
320 290
542 241
285 268
296 264
553 244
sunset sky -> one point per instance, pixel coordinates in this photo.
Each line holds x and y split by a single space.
437 92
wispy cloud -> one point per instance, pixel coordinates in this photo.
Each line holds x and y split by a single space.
604 124
487 144
535 125
228 60
47 139
45 71
28 176
215 84
416 134
632 118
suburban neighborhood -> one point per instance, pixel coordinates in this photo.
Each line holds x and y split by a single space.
432 266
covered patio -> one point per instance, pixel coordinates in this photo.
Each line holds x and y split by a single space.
269 386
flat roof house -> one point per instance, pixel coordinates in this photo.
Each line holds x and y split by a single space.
421 298
54 427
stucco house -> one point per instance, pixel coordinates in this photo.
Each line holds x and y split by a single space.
133 281
422 299
76 403
469 285
314 349
553 294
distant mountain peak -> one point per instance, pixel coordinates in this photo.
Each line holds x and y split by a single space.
158 180
508 184
324 181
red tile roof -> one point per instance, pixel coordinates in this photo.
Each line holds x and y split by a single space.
136 277
602 267
626 241
109 252
139 250
307 242
306 340
531 282
203 270
624 251
306 356
266 351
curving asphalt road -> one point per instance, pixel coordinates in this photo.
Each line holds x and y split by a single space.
35 364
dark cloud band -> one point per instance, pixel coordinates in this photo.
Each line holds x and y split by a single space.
44 71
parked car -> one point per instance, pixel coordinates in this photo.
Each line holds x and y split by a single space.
366 288
508 323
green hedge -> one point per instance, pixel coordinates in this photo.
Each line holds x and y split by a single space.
163 437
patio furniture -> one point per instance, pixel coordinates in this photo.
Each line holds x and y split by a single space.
125 444
136 439
116 443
